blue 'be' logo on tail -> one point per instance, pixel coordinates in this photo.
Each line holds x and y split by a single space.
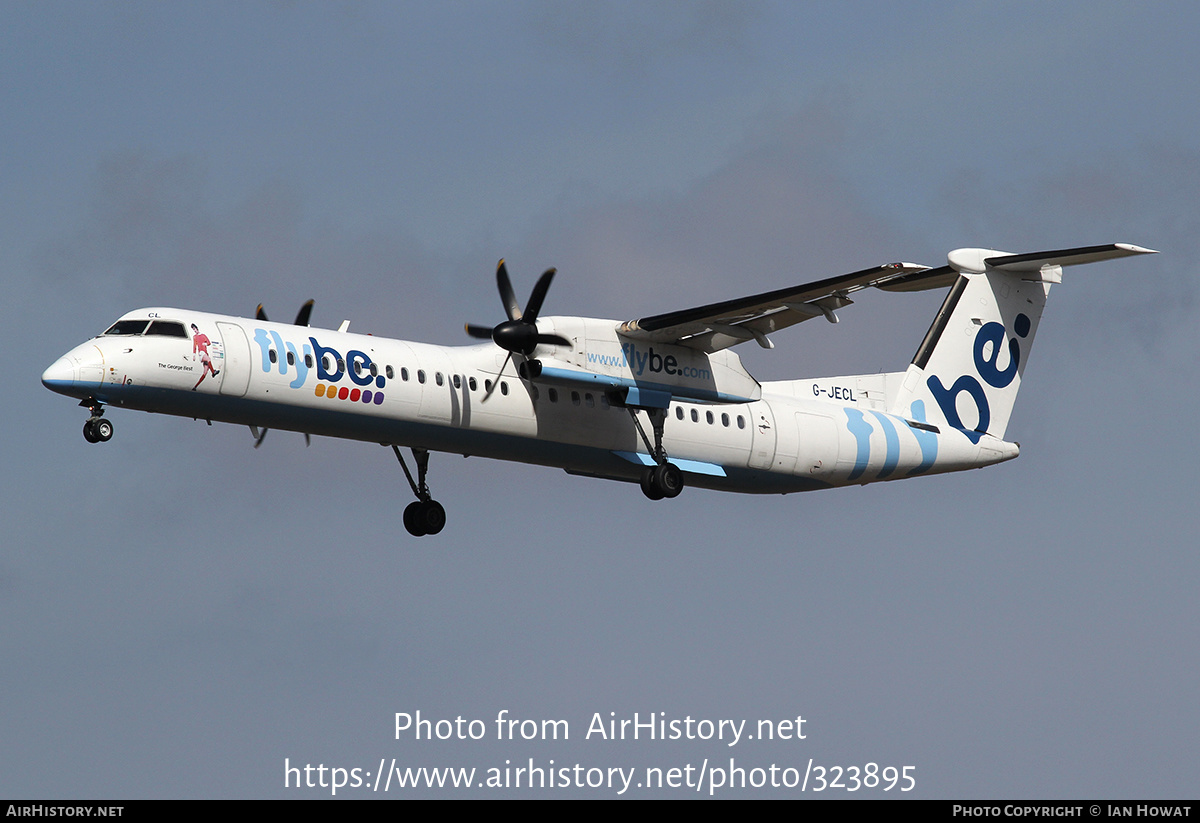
947 398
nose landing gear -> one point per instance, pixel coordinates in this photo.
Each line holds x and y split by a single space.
97 429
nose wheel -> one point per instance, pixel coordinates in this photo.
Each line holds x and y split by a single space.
97 429
424 515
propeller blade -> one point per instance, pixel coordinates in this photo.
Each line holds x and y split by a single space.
260 314
539 294
496 382
518 334
507 296
304 313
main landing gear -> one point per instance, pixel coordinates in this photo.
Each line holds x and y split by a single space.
663 479
97 429
425 515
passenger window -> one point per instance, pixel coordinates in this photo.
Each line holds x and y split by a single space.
274 358
437 378
325 363
374 370
553 395
390 372
471 384
308 361
741 422
291 358
695 416
457 381
341 364
589 400
504 389
403 373
709 417
724 420
420 375
574 398
679 412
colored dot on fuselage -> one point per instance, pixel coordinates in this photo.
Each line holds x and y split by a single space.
343 393
366 396
354 395
378 398
320 390
380 382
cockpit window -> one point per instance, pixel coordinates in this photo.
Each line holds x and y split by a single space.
167 328
127 327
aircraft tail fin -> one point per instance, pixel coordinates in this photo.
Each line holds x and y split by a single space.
968 369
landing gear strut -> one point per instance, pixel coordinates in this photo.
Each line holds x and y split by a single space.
425 515
663 479
97 429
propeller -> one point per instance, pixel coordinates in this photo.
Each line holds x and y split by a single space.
302 317
519 333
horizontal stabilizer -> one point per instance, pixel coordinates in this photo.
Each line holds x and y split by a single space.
974 261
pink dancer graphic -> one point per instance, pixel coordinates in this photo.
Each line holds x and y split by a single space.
200 343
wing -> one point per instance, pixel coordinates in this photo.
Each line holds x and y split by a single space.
721 325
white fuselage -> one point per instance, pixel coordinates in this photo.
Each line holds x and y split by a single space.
722 428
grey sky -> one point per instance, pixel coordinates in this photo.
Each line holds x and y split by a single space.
182 612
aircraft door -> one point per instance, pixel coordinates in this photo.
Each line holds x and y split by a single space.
818 446
762 448
235 376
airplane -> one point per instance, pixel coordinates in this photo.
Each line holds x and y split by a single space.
661 401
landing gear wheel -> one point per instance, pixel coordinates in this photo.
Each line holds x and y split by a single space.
433 516
103 429
649 486
422 517
663 480
89 432
413 520
669 479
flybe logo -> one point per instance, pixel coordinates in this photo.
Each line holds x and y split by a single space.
329 365
640 362
986 360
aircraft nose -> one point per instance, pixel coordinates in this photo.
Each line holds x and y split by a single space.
60 376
